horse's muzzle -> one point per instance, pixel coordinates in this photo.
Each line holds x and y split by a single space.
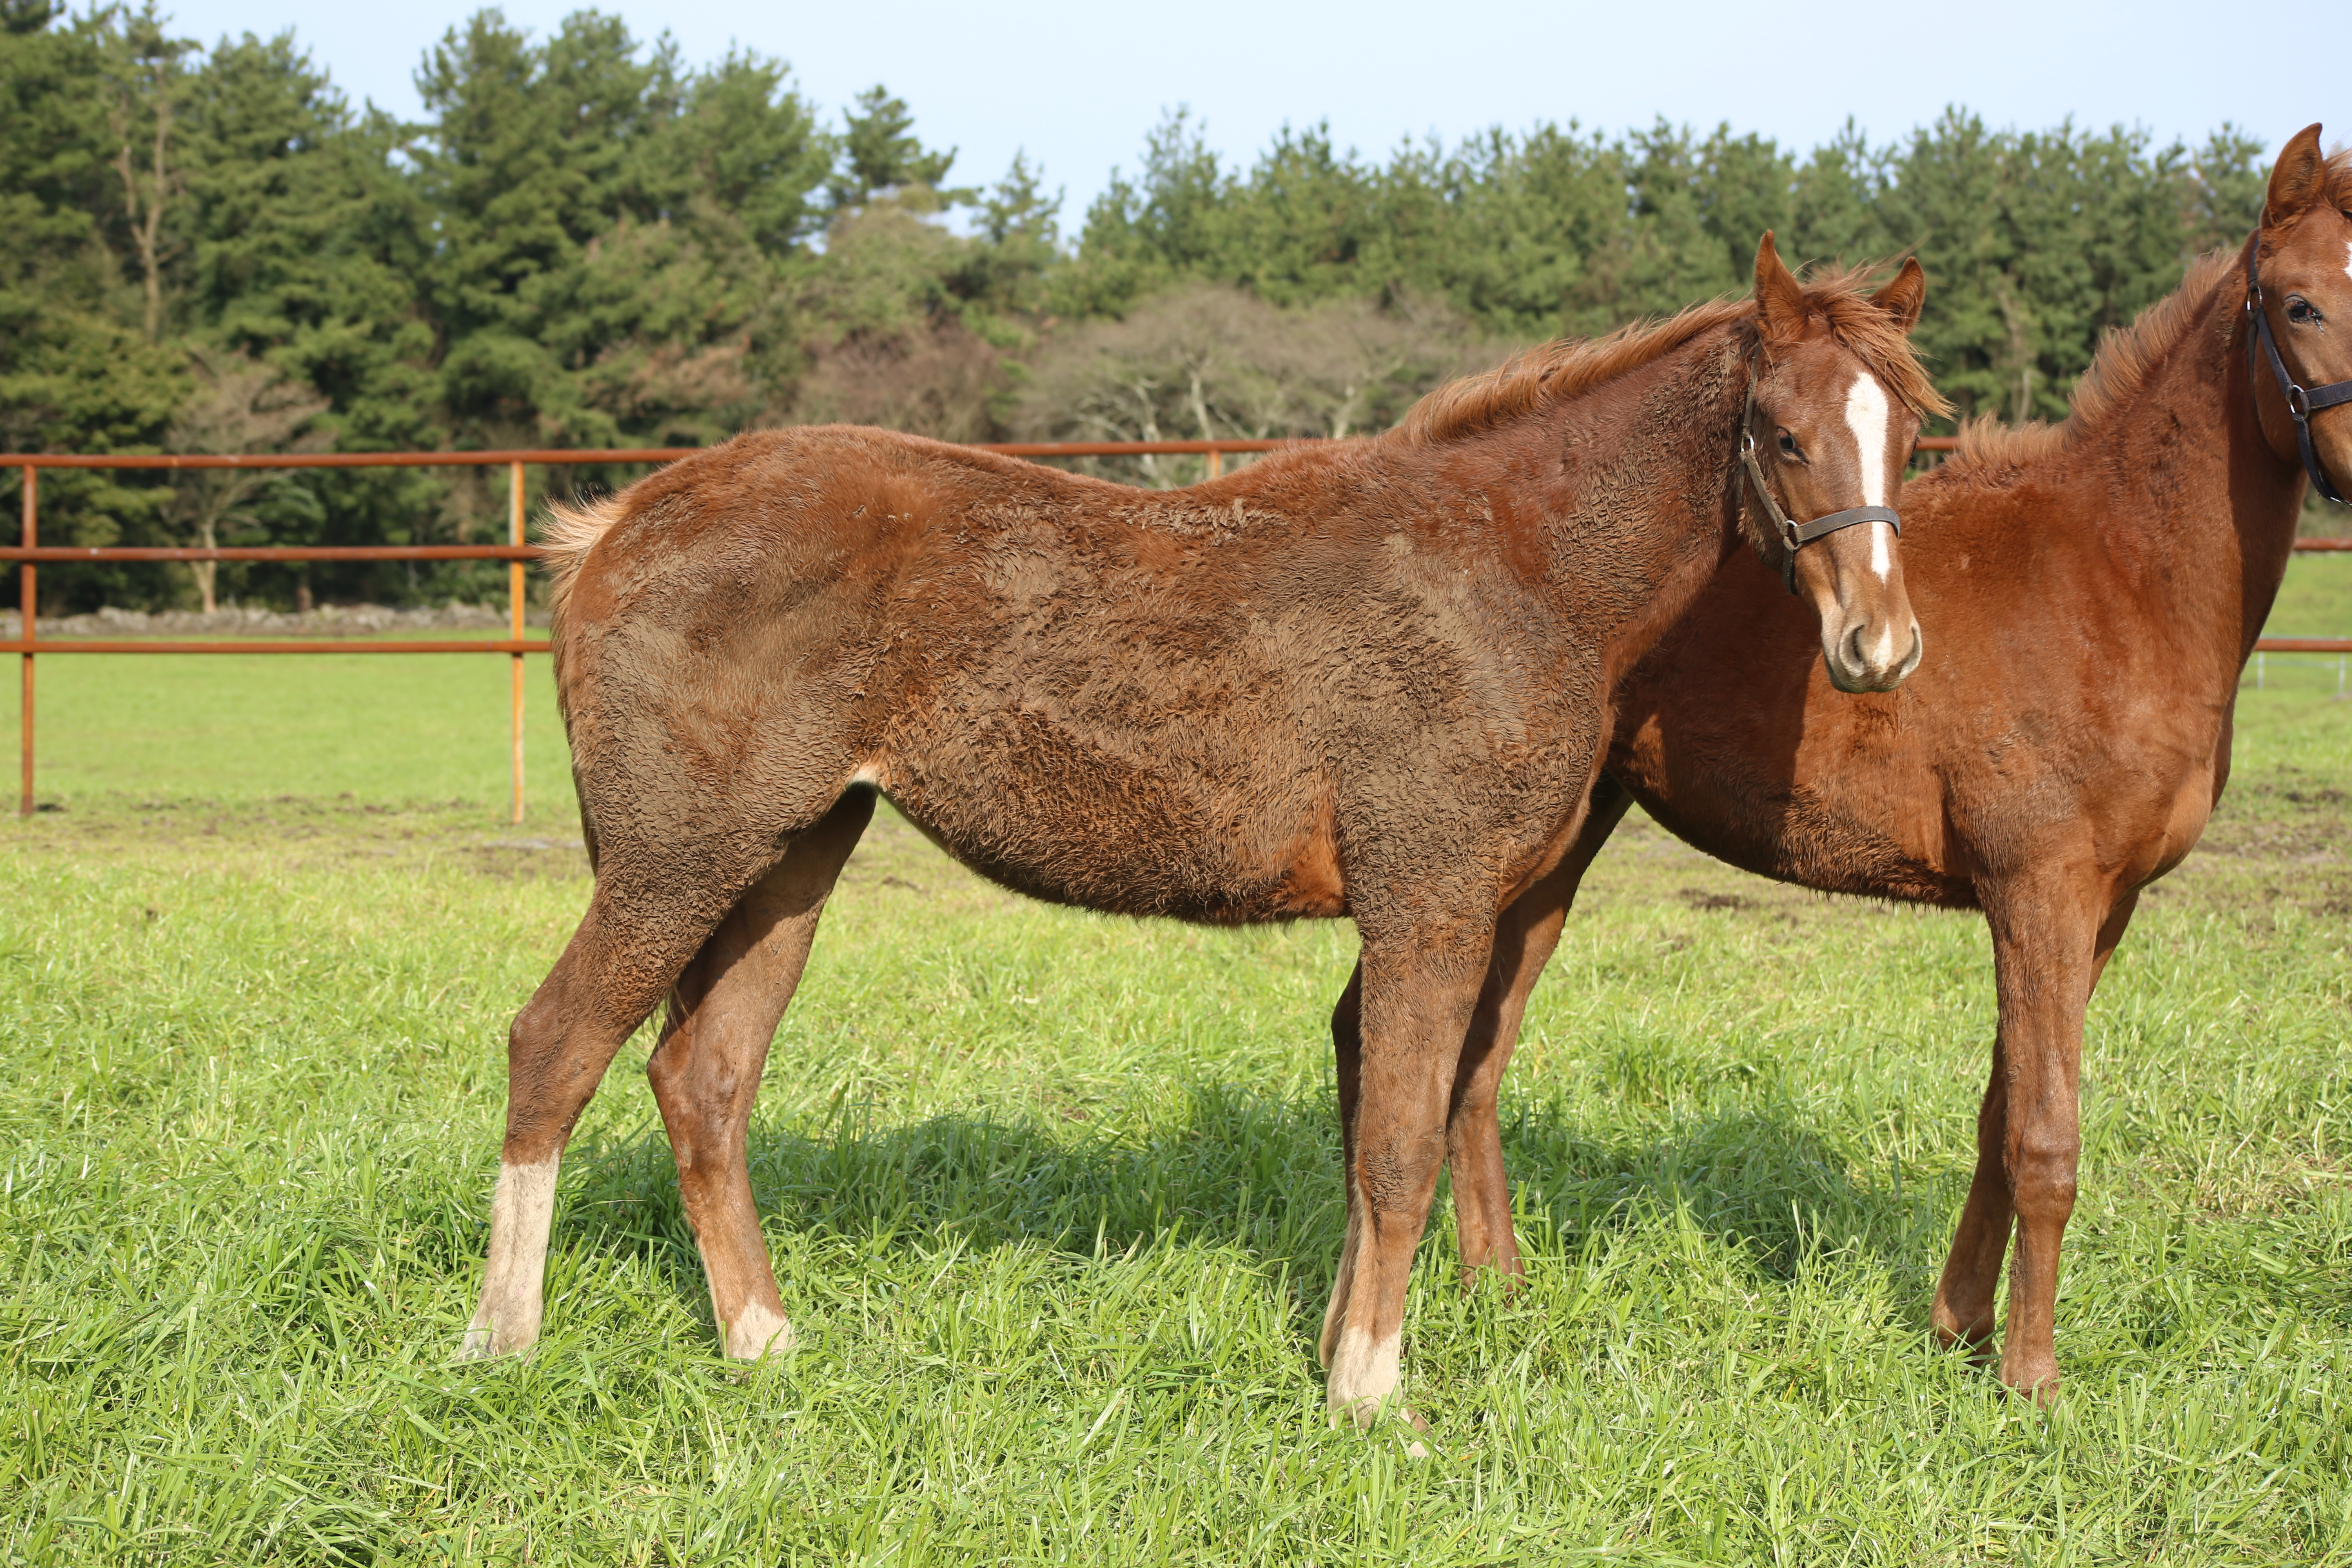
1867 658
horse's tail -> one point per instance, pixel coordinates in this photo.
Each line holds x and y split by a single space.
572 531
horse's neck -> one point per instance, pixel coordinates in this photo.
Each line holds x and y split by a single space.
1646 457
2212 508
1619 496
1688 515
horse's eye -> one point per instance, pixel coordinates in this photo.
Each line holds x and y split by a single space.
2300 311
1788 445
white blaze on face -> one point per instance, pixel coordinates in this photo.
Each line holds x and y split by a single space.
2347 258
1865 415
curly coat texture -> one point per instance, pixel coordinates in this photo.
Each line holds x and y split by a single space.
1368 679
1365 678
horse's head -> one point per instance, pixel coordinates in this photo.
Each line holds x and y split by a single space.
1835 401
2299 312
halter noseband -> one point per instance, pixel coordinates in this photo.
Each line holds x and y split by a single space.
1795 536
2302 403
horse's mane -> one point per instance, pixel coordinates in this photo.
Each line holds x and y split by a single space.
1568 367
2127 357
2335 179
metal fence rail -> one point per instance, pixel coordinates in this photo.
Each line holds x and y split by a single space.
31 554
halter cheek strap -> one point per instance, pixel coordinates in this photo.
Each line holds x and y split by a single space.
1795 536
2302 403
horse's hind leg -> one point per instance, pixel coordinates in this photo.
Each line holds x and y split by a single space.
1347 1056
1419 988
706 1070
642 927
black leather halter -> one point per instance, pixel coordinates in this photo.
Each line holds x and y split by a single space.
1795 536
2302 403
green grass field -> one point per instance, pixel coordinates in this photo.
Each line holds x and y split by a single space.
1054 1198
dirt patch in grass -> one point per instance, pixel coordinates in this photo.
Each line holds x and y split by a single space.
2281 836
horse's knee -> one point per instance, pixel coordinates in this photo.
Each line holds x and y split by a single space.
668 1069
2042 1163
1397 1166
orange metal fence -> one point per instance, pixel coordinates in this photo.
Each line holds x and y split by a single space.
31 554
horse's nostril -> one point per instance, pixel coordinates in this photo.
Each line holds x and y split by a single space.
1851 650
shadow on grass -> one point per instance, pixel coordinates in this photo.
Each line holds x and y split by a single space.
1229 1169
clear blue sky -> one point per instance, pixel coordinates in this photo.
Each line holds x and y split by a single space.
1078 86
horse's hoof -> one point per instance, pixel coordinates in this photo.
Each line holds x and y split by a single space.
2036 1378
1976 1338
1368 1411
758 1333
483 1344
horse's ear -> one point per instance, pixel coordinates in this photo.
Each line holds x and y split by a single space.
2295 183
1779 301
1906 296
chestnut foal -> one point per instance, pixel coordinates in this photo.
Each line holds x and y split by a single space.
1368 679
2096 590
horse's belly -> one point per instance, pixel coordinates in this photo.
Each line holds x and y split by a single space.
1191 832
1872 829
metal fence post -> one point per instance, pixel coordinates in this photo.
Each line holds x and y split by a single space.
514 596
28 610
1216 464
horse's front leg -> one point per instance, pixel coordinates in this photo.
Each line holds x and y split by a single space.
1420 987
2052 938
1524 939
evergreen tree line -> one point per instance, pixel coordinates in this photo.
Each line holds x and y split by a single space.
588 241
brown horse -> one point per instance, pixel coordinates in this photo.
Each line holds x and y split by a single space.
1367 679
2095 589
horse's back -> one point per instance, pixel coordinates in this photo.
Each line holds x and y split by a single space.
1149 703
